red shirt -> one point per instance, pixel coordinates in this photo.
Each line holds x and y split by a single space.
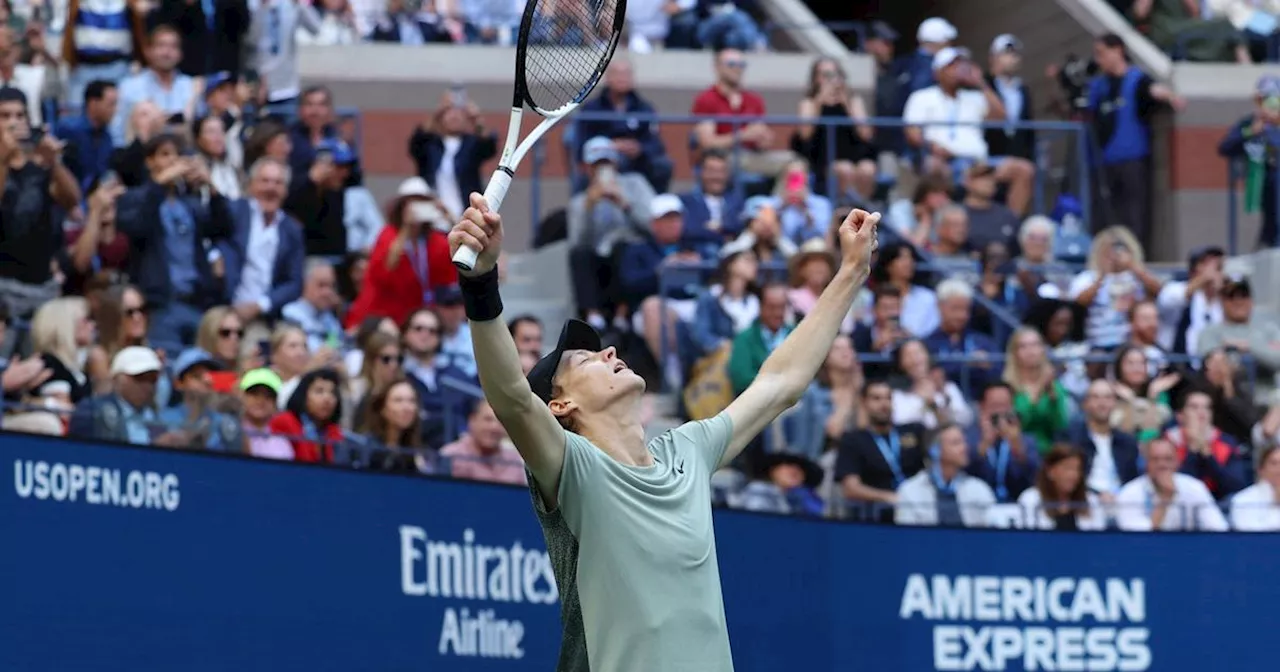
713 102
396 292
288 425
113 255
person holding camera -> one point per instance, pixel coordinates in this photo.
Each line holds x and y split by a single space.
1000 453
1255 140
318 199
33 180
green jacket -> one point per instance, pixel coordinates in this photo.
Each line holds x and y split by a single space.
749 352
1044 418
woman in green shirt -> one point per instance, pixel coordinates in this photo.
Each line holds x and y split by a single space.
1042 404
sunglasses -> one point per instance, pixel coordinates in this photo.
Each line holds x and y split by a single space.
425 327
228 333
391 359
735 64
131 313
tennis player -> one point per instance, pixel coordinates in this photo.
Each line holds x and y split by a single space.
628 522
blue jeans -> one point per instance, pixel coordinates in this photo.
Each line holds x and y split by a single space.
173 327
734 30
81 75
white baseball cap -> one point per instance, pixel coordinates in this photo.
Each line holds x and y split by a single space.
936 30
947 56
415 186
1006 42
665 204
135 360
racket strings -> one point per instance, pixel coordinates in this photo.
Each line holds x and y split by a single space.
567 48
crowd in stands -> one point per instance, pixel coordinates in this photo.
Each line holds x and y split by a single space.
190 259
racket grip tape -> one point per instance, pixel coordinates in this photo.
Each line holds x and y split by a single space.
465 258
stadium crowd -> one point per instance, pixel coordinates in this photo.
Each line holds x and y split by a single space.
190 259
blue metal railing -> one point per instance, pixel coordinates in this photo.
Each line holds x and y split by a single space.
1067 128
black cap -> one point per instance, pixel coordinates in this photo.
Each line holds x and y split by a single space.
879 30
1201 253
576 335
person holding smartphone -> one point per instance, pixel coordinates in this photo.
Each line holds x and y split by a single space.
1255 139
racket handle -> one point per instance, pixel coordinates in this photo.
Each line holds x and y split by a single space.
465 258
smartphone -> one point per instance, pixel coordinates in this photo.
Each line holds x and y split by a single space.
607 175
458 95
176 119
109 177
796 181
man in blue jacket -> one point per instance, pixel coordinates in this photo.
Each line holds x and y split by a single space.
637 141
265 253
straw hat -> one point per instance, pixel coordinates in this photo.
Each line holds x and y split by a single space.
814 248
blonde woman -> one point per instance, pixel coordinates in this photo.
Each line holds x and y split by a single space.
381 365
1039 400
61 333
221 334
1116 279
290 359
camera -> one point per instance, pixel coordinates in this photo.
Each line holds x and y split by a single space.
1073 79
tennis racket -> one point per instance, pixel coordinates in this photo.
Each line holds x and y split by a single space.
562 51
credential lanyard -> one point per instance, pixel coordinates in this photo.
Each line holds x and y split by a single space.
421 268
998 456
892 452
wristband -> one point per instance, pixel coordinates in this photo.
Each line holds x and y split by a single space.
480 296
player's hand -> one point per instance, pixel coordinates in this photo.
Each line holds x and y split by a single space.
480 230
859 239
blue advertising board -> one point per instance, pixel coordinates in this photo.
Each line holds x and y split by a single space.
119 558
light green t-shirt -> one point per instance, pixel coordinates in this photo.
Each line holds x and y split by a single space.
634 555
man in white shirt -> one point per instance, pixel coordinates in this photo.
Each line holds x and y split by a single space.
945 119
29 79
1257 507
944 495
1110 457
1188 306
1166 500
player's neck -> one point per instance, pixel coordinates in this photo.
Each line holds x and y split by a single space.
618 433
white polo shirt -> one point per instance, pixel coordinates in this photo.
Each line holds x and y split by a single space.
953 123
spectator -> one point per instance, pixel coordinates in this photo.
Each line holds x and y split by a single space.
484 453
914 221
728 25
271 139
221 100
449 150
712 209
1232 400
409 264
1122 99
875 460
61 333
932 35
1204 451
29 79
382 364
1035 250
944 495
950 246
425 362
128 414
210 136
204 426
615 207
337 25
1005 64
310 417
1144 330
637 142
259 390
221 334
1257 507
1060 500
526 331
728 98
316 309
1061 325
926 397
317 199
213 33
989 222
290 359
1182 29
146 122
896 267
997 285
754 344
401 25
891 79
394 422
975 365
1110 456
1115 279
829 98
1040 401
786 484
88 139
885 333
804 215
763 233
1188 307
121 317
92 51
1144 399
97 246
160 84
491 21
172 231
1250 141
829 408
1001 453
455 332
273 47
33 180
1246 332
724 309
1165 500
809 272
1266 433
264 257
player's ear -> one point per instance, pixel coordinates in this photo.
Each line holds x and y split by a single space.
561 408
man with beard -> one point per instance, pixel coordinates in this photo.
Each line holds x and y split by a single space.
873 462
160 83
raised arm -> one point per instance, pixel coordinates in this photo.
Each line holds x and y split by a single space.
788 371
532 428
